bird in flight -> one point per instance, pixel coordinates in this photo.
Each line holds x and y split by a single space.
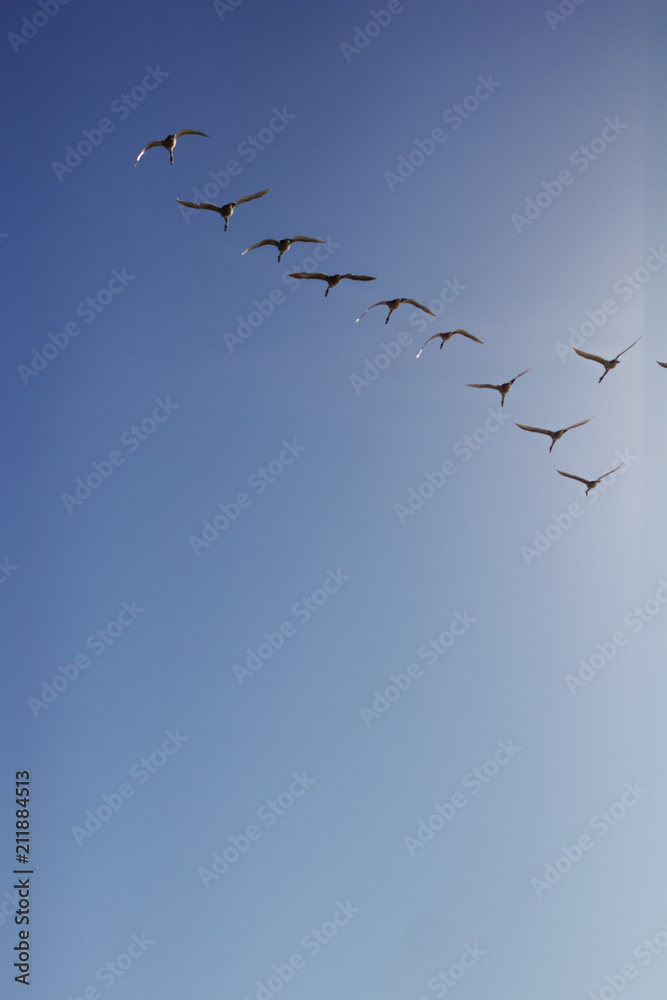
554 435
589 483
394 304
608 365
502 389
331 279
448 336
169 143
226 211
283 245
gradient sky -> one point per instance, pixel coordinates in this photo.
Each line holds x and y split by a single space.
534 586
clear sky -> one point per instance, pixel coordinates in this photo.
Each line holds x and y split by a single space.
327 683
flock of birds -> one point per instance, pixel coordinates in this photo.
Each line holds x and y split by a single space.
283 245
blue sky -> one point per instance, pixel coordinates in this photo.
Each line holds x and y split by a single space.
210 466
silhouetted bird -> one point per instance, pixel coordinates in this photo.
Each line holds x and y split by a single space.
331 279
448 336
502 389
169 143
226 211
283 245
590 483
394 304
608 365
554 435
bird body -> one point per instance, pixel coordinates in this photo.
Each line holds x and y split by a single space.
283 245
589 483
608 365
394 304
554 435
502 389
331 279
444 337
169 143
226 211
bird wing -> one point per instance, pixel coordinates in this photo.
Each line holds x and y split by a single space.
428 341
263 243
538 430
369 309
305 274
466 334
364 277
521 373
202 204
580 424
591 357
609 473
419 305
305 239
663 364
158 142
628 348
251 197
570 476
482 385
189 131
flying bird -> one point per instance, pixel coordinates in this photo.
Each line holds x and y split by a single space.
394 304
331 279
448 336
169 143
226 211
589 483
283 245
502 389
608 365
554 435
